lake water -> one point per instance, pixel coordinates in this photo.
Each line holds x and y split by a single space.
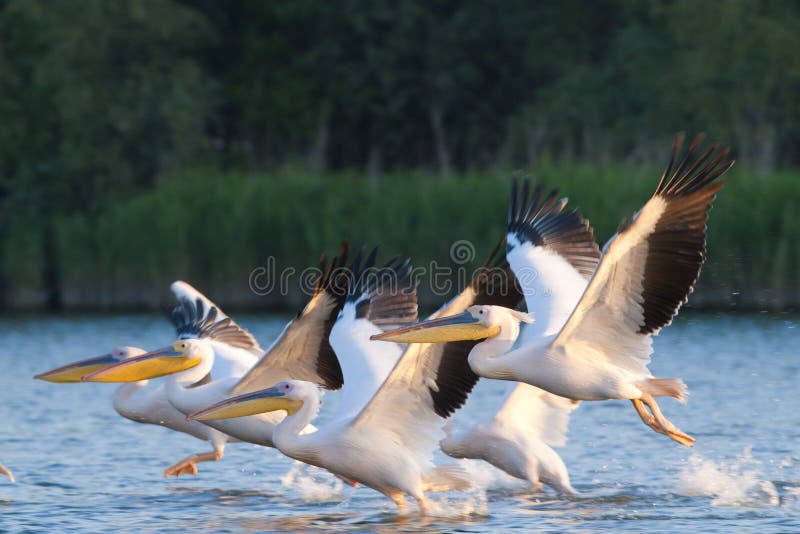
81 467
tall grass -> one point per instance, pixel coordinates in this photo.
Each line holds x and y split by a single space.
214 229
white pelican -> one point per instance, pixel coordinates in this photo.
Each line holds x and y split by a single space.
388 445
552 254
7 472
301 351
144 402
646 272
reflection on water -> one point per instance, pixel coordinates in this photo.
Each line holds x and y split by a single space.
80 467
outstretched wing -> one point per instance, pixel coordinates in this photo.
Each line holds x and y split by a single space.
379 298
185 291
196 316
431 381
302 351
552 253
650 266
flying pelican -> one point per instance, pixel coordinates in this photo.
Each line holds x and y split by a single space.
552 254
143 402
645 274
388 445
5 471
301 351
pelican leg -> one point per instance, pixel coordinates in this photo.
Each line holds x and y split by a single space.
656 420
423 504
647 417
188 466
399 500
5 471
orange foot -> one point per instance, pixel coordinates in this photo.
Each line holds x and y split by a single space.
6 472
184 467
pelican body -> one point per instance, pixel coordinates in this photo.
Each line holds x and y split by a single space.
368 456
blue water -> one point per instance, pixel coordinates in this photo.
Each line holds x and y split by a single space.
81 467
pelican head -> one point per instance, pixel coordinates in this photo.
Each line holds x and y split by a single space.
180 356
74 371
478 322
288 395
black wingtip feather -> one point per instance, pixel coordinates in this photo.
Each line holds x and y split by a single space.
543 222
334 281
385 295
690 175
192 320
677 244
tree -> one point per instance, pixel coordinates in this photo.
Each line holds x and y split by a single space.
97 100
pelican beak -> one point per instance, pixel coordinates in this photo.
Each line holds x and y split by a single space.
74 371
160 362
461 327
261 401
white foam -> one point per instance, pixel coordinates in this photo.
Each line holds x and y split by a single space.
736 483
313 484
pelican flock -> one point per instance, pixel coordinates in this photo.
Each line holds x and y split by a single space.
549 313
645 274
144 402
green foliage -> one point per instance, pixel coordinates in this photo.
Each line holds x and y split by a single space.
214 229
98 99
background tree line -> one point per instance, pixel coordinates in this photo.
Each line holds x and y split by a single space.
103 101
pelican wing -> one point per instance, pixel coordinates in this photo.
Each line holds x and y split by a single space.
385 296
197 317
650 266
552 253
379 298
302 351
538 413
185 291
431 381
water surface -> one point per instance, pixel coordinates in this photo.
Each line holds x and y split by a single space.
81 467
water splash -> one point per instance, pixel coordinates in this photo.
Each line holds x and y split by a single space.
313 484
475 501
458 504
485 476
738 483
